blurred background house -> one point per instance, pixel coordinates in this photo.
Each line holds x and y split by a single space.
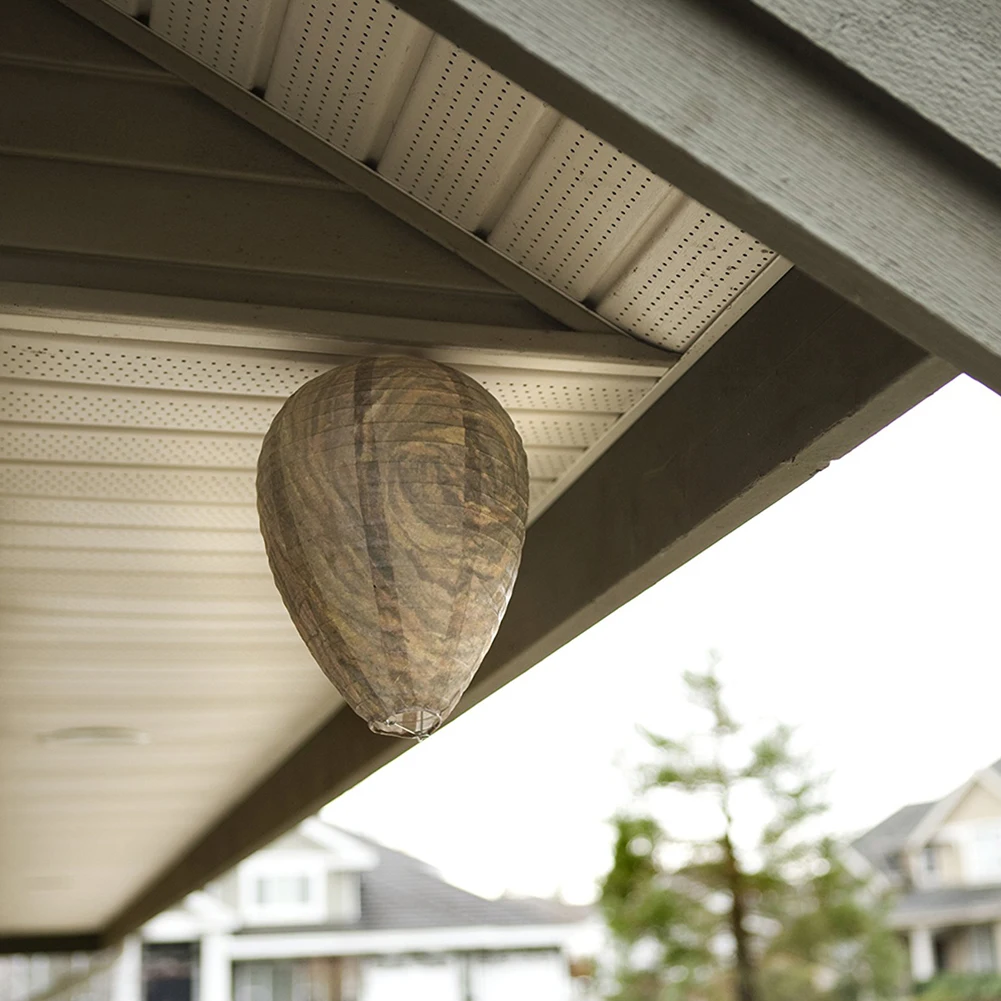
322 915
944 859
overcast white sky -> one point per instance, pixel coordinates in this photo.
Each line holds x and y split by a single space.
863 608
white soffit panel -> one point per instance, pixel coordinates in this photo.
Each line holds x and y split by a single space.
468 142
134 589
343 70
579 209
235 37
465 137
692 270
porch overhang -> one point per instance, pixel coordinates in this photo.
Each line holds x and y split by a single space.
661 408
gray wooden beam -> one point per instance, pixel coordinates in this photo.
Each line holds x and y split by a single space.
106 313
779 136
353 173
27 945
802 378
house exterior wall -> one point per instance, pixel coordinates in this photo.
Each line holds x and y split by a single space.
227 889
949 912
977 804
949 864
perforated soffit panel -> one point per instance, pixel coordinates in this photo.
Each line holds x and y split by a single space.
468 142
134 589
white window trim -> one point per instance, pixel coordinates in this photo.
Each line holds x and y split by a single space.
314 910
976 831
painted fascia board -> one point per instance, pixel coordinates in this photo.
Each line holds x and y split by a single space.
139 316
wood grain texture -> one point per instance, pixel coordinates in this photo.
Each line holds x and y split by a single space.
393 496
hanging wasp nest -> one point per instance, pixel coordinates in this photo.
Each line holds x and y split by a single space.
393 494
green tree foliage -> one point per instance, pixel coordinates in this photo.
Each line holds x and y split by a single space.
773 916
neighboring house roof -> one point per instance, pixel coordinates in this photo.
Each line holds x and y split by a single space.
888 838
400 892
907 830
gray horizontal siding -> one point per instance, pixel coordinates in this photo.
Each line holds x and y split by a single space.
116 175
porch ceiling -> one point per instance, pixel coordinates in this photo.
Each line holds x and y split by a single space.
168 275
134 590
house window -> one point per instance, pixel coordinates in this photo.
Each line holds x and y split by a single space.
895 864
982 955
323 979
985 854
928 866
282 890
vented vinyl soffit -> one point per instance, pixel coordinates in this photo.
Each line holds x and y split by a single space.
561 216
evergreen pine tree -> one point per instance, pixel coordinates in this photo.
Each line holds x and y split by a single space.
782 918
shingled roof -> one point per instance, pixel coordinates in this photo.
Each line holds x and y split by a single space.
879 845
401 892
885 840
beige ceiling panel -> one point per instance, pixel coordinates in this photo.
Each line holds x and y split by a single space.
552 463
121 408
190 368
165 486
135 592
66 583
547 428
130 538
58 511
125 561
527 390
127 447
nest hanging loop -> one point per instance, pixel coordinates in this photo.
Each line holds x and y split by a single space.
393 494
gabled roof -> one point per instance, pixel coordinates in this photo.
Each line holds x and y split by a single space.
888 838
400 892
916 823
